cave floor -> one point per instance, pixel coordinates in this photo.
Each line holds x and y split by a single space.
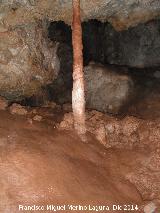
40 165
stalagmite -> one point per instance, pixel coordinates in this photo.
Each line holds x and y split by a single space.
78 96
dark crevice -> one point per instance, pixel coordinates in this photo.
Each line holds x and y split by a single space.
102 44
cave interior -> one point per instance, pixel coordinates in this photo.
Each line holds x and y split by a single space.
127 52
44 165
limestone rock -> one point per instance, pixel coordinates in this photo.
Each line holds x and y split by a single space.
125 133
68 122
27 61
18 109
128 132
67 107
100 134
37 118
107 90
3 103
61 88
137 47
122 14
131 132
50 104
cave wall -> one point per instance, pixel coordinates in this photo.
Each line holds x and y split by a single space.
28 60
122 14
138 46
134 54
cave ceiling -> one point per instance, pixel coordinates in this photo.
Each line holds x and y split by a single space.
120 13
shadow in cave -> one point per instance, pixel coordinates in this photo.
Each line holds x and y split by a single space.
103 45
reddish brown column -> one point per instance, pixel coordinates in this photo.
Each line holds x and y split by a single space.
78 96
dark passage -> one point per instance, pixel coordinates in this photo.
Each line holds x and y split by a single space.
93 38
132 54
137 47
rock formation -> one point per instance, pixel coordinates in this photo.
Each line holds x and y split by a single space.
138 46
122 14
27 61
107 90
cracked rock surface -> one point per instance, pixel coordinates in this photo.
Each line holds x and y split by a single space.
121 14
27 61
